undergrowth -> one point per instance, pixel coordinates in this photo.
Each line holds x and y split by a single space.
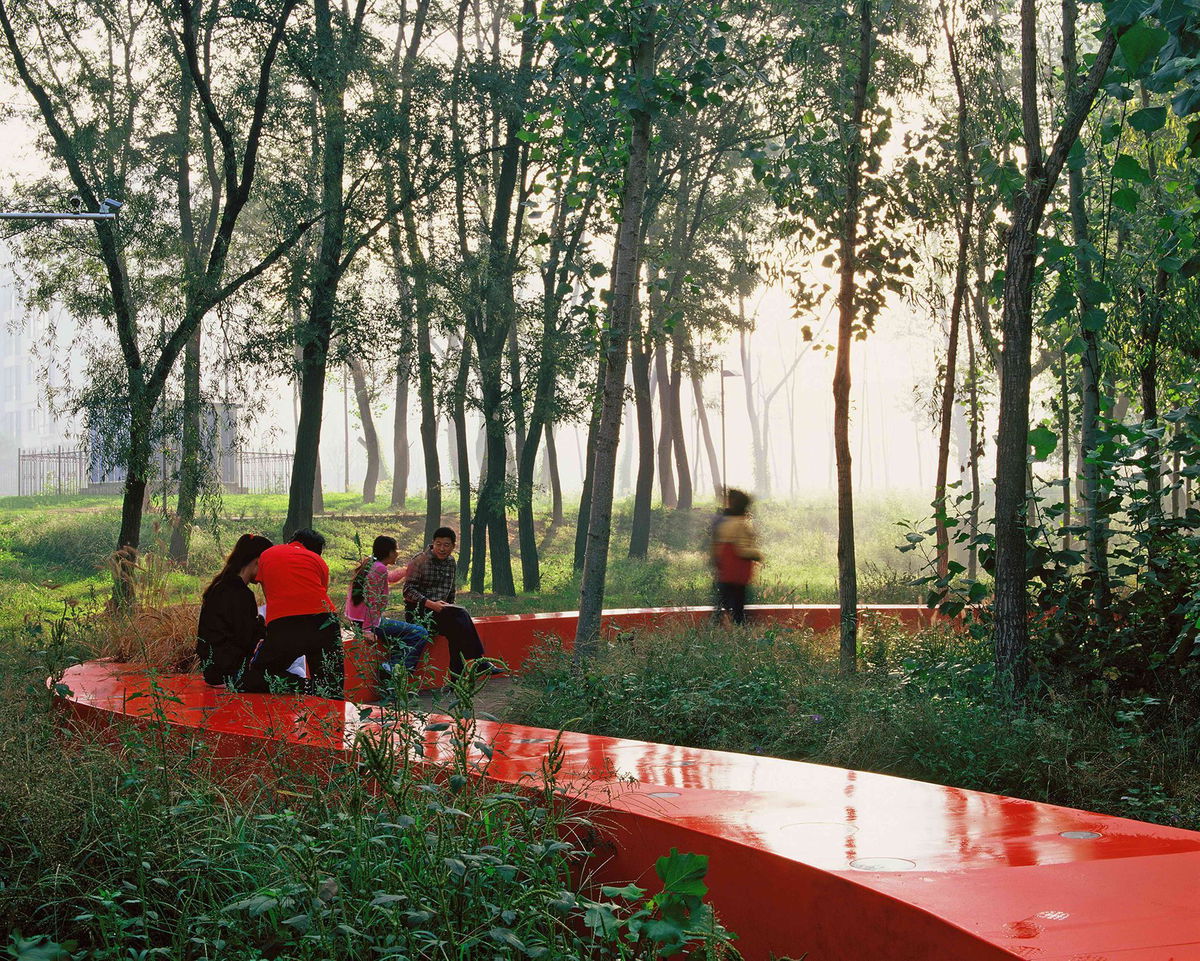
134 846
922 706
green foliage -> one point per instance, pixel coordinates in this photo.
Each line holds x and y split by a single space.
922 706
149 852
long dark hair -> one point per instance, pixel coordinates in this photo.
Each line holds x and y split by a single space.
382 547
249 547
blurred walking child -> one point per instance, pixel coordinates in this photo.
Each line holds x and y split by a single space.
734 553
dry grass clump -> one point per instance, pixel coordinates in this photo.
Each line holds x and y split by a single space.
163 637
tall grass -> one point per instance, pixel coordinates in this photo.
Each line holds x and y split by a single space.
148 851
922 707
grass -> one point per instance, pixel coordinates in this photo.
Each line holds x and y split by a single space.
54 552
921 707
148 852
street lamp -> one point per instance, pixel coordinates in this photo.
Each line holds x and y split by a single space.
108 211
724 470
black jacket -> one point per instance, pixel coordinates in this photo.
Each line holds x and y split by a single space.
228 631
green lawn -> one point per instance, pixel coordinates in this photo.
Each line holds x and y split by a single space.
54 552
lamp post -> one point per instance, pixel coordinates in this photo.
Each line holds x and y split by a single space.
108 211
724 470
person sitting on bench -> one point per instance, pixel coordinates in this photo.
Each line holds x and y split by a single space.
429 588
301 620
367 599
230 627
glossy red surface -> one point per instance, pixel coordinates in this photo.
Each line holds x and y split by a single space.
844 865
511 637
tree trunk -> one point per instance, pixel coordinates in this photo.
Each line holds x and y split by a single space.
714 463
847 313
1064 422
326 272
666 467
190 466
556 494
682 471
1148 376
589 467
616 346
516 393
362 396
762 471
429 450
400 454
462 448
1011 630
133 503
639 536
966 183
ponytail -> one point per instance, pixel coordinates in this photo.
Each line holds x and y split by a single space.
358 587
382 547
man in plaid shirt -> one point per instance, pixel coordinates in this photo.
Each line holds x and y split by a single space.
429 588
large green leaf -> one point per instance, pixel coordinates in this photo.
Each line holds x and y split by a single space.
1121 13
683 874
1126 198
1148 119
1140 45
1128 168
1043 441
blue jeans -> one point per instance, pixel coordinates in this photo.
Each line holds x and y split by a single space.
407 642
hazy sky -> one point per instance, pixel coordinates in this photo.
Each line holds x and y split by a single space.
893 443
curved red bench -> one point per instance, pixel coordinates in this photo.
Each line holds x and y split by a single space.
511 637
844 865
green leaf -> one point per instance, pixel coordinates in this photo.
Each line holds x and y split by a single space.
1076 345
1121 13
506 936
1093 320
1140 44
1126 199
600 919
683 873
1128 168
1148 119
1043 441
1077 156
629 892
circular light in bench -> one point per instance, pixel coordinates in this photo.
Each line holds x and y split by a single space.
663 794
883 864
1080 835
530 740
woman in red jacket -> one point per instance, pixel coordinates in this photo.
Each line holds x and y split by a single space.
301 619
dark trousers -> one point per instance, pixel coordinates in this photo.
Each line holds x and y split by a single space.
732 598
318 637
456 626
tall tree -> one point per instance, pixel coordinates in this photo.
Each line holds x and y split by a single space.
1011 631
962 198
55 54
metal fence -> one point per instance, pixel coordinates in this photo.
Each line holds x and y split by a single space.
264 472
63 470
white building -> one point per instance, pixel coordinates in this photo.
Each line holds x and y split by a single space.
27 421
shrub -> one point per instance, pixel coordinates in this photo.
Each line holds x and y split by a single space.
923 707
145 852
